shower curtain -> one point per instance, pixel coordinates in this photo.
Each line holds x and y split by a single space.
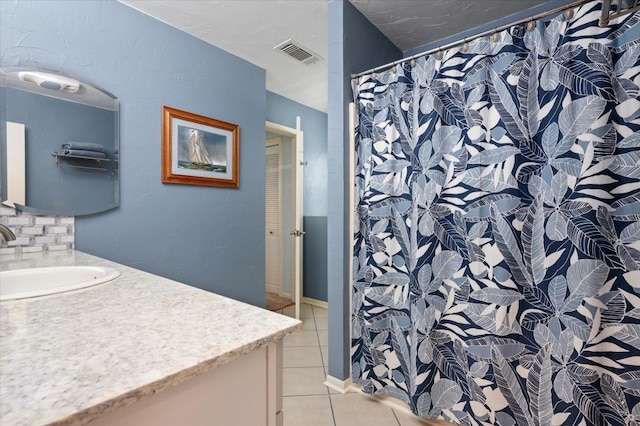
496 260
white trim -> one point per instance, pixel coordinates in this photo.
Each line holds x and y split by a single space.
340 386
352 195
315 302
273 289
298 214
280 129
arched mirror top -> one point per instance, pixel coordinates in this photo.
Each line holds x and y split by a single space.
60 143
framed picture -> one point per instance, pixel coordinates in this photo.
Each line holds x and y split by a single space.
198 150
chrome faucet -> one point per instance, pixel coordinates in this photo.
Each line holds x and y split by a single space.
6 233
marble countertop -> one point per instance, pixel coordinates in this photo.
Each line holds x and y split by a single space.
66 359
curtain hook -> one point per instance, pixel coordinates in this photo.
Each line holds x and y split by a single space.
413 63
568 14
393 69
531 25
373 75
465 46
494 37
439 54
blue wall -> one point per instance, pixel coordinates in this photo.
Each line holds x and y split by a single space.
212 238
284 111
354 45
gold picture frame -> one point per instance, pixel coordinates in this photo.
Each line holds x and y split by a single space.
198 150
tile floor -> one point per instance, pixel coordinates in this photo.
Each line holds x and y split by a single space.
307 402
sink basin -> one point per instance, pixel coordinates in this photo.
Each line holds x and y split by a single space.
23 283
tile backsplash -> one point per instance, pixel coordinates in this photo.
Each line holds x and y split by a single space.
36 233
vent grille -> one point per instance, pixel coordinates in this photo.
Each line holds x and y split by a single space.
298 52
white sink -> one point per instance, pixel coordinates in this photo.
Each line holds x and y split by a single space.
23 283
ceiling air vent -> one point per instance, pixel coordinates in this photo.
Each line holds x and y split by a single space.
301 54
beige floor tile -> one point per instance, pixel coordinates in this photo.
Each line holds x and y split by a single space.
306 311
354 409
323 336
324 350
322 323
303 381
320 312
301 338
307 411
308 323
302 356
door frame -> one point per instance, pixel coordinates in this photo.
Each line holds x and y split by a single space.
297 164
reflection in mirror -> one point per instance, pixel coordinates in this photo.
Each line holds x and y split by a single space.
60 150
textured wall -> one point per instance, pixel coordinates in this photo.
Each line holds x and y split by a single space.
314 272
212 238
431 20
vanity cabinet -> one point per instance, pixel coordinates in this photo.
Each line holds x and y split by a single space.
138 350
246 391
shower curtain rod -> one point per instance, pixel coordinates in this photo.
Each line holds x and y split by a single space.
477 36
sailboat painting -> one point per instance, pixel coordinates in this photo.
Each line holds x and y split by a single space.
199 150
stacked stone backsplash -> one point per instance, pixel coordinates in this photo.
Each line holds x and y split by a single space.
36 233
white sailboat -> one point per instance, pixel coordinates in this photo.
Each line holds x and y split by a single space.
198 154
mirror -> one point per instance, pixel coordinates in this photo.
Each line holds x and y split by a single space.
60 144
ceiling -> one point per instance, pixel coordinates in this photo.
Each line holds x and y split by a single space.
251 29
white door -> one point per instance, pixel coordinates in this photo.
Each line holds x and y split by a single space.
291 222
273 230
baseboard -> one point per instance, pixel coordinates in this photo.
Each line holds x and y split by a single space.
272 289
315 302
398 405
340 386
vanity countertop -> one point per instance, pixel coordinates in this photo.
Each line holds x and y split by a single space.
66 359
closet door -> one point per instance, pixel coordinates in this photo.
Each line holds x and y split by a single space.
273 223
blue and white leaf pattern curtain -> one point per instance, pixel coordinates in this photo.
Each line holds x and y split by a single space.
497 247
